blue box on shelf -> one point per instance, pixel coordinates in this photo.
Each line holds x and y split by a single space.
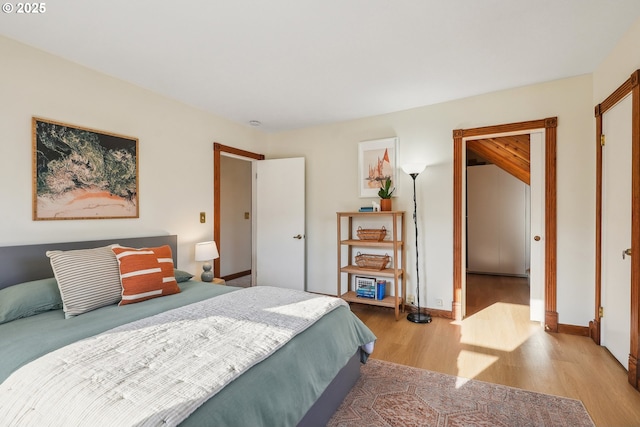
381 288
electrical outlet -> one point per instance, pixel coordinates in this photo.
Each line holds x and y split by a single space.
410 299
439 302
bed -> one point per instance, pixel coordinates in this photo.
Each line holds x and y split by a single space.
301 383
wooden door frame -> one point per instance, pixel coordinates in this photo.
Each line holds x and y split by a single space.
218 149
549 125
630 86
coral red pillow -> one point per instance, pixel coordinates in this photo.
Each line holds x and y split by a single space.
145 273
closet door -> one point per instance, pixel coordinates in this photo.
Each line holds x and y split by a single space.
496 222
616 230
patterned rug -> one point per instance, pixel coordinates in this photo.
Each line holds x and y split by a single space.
394 395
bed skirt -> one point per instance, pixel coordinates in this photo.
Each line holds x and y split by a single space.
335 393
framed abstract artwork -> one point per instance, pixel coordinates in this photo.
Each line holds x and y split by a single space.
376 163
81 173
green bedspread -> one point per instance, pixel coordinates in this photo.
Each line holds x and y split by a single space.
276 392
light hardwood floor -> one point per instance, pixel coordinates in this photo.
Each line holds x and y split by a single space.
497 343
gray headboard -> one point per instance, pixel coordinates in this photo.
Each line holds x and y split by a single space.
24 263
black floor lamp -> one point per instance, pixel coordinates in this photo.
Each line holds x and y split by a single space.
414 170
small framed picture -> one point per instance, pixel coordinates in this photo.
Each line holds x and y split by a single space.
376 164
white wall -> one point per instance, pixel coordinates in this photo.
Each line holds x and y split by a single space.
426 134
497 221
175 150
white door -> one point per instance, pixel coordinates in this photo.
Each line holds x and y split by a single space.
279 213
616 230
536 233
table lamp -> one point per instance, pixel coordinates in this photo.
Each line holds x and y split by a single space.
206 251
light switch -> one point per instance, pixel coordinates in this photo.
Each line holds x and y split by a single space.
203 218
246 215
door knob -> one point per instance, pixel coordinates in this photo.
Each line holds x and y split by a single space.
536 238
626 252
297 236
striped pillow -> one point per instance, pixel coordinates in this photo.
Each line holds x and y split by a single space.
145 273
87 279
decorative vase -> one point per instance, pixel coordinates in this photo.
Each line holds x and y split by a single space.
385 205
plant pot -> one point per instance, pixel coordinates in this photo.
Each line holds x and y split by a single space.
385 204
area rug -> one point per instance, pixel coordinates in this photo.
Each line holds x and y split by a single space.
388 394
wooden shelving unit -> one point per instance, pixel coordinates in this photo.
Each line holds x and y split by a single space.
395 244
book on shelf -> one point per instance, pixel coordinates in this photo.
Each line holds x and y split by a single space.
381 290
361 293
365 287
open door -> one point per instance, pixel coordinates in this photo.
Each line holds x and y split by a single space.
279 215
537 232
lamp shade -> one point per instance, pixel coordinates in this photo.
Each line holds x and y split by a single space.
413 168
206 251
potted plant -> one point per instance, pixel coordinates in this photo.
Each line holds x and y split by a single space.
385 193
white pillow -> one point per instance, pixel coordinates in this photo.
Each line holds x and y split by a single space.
87 278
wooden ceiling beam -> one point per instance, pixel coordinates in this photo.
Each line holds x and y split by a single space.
510 153
502 151
515 146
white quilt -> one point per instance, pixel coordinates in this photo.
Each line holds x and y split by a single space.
158 370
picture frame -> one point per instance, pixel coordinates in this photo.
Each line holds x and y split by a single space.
377 160
83 173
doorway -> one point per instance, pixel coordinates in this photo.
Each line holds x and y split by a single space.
218 151
498 224
235 214
269 180
460 136
505 214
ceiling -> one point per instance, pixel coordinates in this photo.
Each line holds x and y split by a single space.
297 63
510 153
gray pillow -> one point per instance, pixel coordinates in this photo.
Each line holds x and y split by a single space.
182 276
28 299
